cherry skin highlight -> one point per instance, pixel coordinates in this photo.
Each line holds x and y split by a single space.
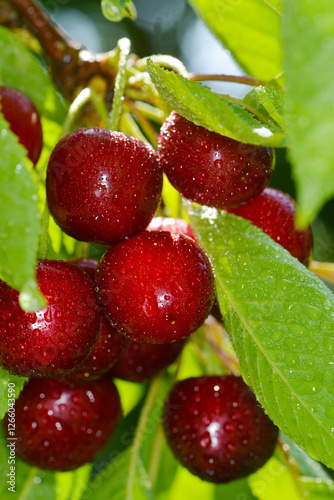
156 287
275 212
55 339
24 120
109 343
216 428
179 226
209 168
140 362
103 186
63 426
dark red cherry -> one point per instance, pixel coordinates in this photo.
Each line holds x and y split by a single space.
216 428
103 186
156 287
23 118
209 168
275 212
55 339
140 362
173 225
62 426
109 343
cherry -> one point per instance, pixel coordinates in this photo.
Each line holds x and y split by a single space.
274 212
209 168
140 362
182 227
23 118
173 225
103 186
108 346
62 426
156 287
216 428
57 338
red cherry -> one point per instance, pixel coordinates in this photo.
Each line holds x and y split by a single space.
209 168
61 426
140 362
23 118
275 212
173 225
156 287
103 186
108 346
55 339
216 428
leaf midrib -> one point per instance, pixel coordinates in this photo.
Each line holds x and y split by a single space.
263 351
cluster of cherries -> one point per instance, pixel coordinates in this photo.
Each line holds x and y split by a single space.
129 314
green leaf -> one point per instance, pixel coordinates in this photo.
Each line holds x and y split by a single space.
71 485
250 29
116 10
20 69
30 482
207 109
308 38
111 483
281 320
274 481
268 104
16 383
314 489
20 220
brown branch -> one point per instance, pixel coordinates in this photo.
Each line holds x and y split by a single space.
71 64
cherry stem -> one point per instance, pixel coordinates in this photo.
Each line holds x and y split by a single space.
120 82
25 492
149 405
158 440
144 123
129 127
75 108
324 270
290 462
44 236
248 80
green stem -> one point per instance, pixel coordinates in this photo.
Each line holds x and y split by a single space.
248 80
154 463
100 106
151 112
124 51
130 127
145 413
44 237
145 124
81 249
324 270
28 483
76 106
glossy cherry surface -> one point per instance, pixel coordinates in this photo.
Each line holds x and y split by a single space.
103 186
216 428
62 426
57 338
140 362
109 343
173 225
24 120
275 212
156 287
209 168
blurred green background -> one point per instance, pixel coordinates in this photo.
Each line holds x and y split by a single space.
172 27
